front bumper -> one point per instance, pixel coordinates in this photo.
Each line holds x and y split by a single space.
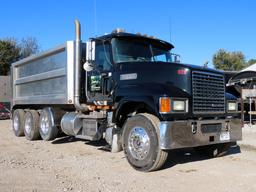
191 133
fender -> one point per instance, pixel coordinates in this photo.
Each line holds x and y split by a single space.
148 102
229 96
147 94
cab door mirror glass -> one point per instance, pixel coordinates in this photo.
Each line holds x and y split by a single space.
90 56
90 51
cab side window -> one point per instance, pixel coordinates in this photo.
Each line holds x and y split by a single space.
102 57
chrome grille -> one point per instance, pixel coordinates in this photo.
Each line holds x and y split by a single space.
208 92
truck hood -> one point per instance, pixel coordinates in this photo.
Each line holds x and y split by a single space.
164 65
162 76
197 67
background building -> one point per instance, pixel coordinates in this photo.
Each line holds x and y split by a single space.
5 93
244 83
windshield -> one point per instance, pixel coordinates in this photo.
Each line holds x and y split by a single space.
136 50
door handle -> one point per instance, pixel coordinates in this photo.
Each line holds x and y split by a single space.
104 75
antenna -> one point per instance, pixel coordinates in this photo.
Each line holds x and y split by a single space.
206 64
95 18
170 28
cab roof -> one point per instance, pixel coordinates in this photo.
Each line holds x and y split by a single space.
136 36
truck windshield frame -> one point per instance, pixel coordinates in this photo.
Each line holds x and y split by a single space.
138 50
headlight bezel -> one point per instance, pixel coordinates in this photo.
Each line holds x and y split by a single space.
174 101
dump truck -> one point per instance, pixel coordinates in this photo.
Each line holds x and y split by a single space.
128 89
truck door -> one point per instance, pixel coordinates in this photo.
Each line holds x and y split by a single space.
99 80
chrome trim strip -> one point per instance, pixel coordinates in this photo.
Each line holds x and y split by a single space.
40 55
41 76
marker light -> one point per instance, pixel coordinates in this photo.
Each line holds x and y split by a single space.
182 72
164 105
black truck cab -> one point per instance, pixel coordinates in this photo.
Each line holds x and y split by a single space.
133 68
139 75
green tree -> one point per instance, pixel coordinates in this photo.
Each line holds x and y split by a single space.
229 61
9 53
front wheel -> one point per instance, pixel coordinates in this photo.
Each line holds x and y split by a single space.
141 143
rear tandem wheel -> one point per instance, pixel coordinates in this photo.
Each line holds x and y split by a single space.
31 125
18 122
47 127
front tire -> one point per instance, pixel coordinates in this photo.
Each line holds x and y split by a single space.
141 143
18 122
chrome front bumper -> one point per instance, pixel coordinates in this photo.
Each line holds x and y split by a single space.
191 133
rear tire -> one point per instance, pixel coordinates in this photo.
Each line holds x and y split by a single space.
215 150
18 122
141 143
47 127
31 125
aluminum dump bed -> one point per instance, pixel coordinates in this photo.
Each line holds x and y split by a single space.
46 78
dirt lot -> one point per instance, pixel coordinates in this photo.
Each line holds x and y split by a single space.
68 164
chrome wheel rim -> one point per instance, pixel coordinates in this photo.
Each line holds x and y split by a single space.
28 123
138 143
45 123
16 123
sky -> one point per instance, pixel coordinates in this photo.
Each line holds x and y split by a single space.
197 28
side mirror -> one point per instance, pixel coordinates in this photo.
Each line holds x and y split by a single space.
90 55
88 66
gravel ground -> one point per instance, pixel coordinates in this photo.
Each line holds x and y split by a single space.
69 164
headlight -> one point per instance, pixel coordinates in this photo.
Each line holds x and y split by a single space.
179 105
232 106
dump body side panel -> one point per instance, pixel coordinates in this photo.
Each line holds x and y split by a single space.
47 78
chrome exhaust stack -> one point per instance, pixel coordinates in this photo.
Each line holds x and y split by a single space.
77 70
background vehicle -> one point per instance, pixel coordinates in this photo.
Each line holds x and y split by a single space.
127 89
4 111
